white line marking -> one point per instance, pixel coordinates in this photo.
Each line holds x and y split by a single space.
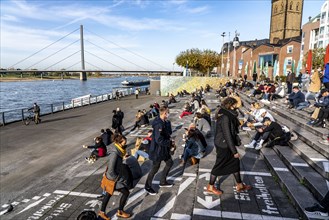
235 215
15 203
36 197
171 203
5 205
208 202
177 216
320 159
140 185
255 173
32 205
189 174
205 170
280 169
205 175
62 192
299 164
326 166
46 194
26 200
327 183
251 216
80 194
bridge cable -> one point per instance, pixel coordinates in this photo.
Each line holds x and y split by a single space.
73 65
97 67
53 54
117 56
44 48
105 60
136 54
63 59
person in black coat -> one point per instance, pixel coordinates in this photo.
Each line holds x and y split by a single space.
116 122
160 150
226 139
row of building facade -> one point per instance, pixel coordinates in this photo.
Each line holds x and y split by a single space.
288 52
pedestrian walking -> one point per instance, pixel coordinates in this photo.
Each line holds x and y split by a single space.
136 93
290 80
115 173
226 140
160 150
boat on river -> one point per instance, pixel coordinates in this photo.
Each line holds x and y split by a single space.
135 83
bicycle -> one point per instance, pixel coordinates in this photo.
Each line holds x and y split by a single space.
31 117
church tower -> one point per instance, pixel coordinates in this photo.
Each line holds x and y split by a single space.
286 19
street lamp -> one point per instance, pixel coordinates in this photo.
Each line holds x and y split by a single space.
221 66
235 45
228 54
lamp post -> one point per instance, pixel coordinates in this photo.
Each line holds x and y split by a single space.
235 45
228 53
221 65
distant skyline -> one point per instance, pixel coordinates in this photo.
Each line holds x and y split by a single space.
156 30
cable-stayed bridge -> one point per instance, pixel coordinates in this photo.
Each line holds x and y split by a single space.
75 51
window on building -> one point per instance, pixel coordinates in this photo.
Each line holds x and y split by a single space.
303 47
303 35
320 44
269 58
321 30
297 6
289 60
290 49
290 7
323 16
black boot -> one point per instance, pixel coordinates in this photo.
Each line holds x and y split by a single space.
318 123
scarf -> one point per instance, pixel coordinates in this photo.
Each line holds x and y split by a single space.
233 117
123 151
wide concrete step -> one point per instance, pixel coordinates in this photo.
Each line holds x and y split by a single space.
312 157
316 183
300 196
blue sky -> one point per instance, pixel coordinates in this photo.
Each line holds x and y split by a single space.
115 31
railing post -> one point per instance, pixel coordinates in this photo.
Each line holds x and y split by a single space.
96 99
81 102
3 118
63 107
89 100
22 114
73 104
102 98
52 108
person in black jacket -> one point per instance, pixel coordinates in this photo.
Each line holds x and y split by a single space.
116 122
121 115
226 139
160 150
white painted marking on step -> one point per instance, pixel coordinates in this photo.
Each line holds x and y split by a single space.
94 203
326 166
205 170
327 183
235 215
255 173
299 164
208 202
156 218
189 174
15 203
5 205
3 212
136 196
80 194
280 169
171 203
177 216
46 194
140 185
32 205
36 197
320 159
26 200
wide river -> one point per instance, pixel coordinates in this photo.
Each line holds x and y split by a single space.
22 94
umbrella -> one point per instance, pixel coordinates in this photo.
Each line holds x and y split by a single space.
326 56
309 61
293 66
275 68
285 66
266 69
246 69
299 66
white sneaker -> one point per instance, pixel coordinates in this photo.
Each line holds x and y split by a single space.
248 146
258 146
325 142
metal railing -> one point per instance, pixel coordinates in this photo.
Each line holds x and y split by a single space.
20 114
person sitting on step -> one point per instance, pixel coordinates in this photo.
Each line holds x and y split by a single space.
143 145
191 148
270 132
296 98
98 150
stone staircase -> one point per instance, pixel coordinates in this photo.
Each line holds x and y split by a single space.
303 168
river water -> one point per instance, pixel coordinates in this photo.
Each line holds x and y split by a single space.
22 94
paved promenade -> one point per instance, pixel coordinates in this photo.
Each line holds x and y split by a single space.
44 174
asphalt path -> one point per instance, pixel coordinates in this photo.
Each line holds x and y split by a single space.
40 158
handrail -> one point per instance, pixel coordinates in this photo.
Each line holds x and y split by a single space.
20 114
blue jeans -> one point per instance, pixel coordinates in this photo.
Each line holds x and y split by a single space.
141 153
187 154
302 105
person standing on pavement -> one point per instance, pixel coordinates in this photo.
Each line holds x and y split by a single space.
115 122
121 115
114 172
226 140
160 150
136 93
36 111
290 80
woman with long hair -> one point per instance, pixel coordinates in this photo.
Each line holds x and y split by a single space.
226 140
115 172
